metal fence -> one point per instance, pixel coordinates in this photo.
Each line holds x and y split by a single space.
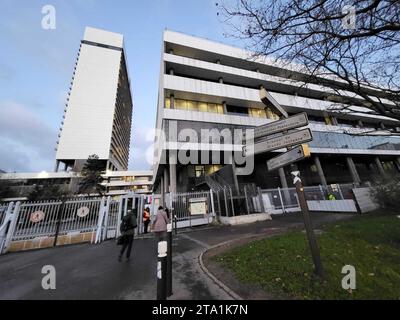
283 200
3 211
40 219
192 208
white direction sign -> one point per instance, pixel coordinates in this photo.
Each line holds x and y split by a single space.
293 155
298 120
283 141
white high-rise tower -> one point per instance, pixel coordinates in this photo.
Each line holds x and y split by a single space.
98 113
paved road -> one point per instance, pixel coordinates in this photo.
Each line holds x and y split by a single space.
92 271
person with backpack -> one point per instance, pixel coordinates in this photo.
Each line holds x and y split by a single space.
127 228
159 225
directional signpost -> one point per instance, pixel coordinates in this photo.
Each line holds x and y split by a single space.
293 140
296 121
283 141
293 155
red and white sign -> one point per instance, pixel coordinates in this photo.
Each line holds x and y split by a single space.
37 216
82 212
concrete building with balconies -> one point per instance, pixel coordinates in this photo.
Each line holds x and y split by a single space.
209 85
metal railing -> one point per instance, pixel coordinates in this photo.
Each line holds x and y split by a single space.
281 200
40 219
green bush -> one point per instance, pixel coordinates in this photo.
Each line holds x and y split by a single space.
387 194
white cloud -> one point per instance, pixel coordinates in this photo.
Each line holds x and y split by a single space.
26 141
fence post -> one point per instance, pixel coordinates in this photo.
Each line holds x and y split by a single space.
233 206
212 202
119 218
245 197
176 224
226 203
261 200
106 213
162 271
219 203
280 197
100 222
59 218
10 220
322 192
340 191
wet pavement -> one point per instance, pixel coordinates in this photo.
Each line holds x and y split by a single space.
88 271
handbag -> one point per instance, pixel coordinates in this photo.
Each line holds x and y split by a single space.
120 240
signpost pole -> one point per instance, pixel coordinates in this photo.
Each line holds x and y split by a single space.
283 126
312 241
169 259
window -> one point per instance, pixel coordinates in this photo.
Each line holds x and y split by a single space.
236 110
203 107
199 171
167 102
180 104
257 113
192 105
210 169
271 115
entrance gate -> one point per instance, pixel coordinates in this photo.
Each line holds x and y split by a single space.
134 202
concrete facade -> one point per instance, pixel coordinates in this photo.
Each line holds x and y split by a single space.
98 112
209 85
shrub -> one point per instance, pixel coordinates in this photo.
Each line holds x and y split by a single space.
387 193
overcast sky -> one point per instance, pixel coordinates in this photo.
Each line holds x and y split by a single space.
36 67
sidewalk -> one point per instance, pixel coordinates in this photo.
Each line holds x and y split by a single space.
89 271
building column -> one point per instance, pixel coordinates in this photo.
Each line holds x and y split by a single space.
171 72
235 179
172 171
380 167
397 162
162 190
224 106
65 166
286 194
353 170
282 177
57 166
166 180
320 171
172 101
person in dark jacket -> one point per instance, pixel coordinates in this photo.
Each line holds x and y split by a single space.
127 228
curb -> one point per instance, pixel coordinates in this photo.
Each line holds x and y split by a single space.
219 283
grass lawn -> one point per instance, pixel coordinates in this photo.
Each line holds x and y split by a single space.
282 265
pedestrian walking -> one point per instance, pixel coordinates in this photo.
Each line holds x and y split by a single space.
127 228
159 225
146 218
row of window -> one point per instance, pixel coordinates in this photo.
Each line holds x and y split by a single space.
191 105
267 113
206 170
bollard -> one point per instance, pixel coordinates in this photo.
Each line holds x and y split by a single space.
162 271
169 260
176 224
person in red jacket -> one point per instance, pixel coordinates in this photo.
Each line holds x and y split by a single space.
146 219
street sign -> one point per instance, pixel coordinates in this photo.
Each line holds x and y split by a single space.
293 155
37 216
298 120
283 141
270 102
